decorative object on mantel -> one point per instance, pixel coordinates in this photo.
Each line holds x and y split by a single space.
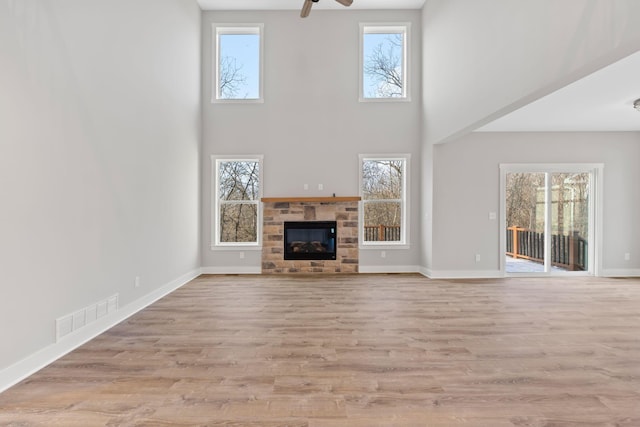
636 104
310 199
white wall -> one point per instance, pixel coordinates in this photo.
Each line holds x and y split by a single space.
426 167
467 187
311 126
485 58
99 157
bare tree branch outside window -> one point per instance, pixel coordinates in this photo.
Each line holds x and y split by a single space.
238 193
522 190
384 65
239 59
231 78
382 191
525 202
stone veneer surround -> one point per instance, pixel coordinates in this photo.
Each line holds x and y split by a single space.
343 210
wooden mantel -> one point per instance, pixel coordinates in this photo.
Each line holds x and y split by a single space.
310 199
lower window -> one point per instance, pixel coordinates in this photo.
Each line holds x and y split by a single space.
384 199
237 183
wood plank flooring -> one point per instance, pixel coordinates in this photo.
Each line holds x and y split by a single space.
357 351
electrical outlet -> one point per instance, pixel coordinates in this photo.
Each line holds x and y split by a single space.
241 255
492 215
477 257
320 187
306 186
383 254
136 282
627 256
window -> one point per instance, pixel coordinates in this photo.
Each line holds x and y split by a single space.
238 63
238 188
383 188
384 62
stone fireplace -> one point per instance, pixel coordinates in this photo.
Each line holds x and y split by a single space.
308 214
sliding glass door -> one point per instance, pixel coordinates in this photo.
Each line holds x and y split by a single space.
548 219
570 219
526 222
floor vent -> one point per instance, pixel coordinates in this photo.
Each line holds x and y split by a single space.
78 319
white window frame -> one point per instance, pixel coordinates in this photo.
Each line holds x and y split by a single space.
385 28
403 243
217 30
216 244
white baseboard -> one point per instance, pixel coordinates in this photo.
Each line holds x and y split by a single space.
620 272
33 363
231 270
361 269
495 274
463 274
388 269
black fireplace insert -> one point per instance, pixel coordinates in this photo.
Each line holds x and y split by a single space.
310 240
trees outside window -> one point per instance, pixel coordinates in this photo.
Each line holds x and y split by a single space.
238 64
384 62
525 201
238 192
383 192
524 192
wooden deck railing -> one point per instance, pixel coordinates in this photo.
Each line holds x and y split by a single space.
381 233
567 251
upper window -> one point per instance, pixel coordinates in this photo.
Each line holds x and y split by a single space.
383 188
384 62
238 188
238 63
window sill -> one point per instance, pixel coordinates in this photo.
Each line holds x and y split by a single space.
237 101
384 246
367 100
230 248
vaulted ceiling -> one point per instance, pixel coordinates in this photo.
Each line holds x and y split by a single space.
602 101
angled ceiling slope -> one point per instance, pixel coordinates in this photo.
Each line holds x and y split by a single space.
602 101
296 4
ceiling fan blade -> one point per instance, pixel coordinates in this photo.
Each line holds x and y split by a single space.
306 8
345 2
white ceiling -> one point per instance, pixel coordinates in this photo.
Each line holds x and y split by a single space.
297 4
602 101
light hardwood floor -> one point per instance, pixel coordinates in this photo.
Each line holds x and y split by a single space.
355 350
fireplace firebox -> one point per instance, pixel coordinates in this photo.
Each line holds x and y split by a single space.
310 240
